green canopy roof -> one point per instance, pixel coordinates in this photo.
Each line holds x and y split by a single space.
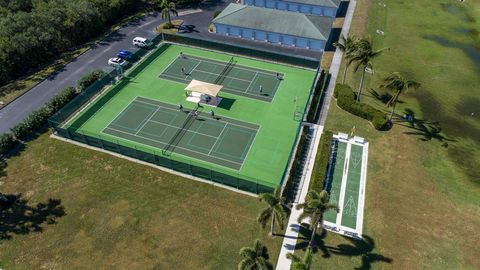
277 21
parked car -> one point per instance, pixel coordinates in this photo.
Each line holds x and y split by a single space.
116 61
142 42
124 54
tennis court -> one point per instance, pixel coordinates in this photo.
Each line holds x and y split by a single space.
236 79
347 176
219 140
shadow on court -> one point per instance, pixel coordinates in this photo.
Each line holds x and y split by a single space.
349 247
226 103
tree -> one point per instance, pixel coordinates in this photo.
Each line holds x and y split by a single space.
363 56
347 46
397 83
254 258
301 263
275 210
167 8
315 205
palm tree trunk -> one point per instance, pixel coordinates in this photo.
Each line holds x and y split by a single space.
344 74
361 85
393 110
314 232
272 225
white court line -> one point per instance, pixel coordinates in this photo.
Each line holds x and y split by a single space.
220 135
186 149
191 71
191 131
361 198
258 70
148 119
251 82
220 120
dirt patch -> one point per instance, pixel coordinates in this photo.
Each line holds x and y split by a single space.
360 18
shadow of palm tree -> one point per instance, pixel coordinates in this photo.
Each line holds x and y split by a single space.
319 243
360 247
426 130
17 217
382 97
363 248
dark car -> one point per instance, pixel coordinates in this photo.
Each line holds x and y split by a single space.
124 54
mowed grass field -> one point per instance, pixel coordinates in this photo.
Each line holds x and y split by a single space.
119 215
423 186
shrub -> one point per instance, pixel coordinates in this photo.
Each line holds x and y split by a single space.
321 162
7 142
89 79
216 13
57 102
32 123
346 100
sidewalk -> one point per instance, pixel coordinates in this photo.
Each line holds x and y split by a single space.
293 227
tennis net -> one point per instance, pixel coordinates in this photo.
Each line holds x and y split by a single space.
181 131
223 74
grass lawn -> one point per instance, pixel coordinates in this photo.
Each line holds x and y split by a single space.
120 215
423 186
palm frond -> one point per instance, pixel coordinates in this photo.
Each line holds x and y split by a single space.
294 258
247 252
246 264
264 216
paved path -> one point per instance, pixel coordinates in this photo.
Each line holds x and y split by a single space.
293 227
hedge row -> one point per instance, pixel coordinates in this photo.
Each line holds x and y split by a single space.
321 162
346 100
89 79
295 164
39 118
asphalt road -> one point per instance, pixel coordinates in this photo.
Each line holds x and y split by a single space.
95 58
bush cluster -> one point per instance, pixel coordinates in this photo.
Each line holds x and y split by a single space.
39 118
321 162
346 100
89 79
7 142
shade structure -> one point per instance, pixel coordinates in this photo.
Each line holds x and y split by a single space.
204 88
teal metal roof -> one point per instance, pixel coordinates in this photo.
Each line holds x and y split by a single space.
278 21
323 3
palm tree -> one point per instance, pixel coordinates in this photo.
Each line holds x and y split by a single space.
398 83
301 263
314 207
275 210
363 56
167 8
254 258
348 46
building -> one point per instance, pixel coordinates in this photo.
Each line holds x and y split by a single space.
312 7
274 26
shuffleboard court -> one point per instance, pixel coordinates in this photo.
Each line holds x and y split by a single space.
221 141
350 203
236 79
336 175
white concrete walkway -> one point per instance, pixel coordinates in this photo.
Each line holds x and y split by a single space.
293 227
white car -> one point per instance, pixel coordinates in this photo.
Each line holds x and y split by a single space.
115 61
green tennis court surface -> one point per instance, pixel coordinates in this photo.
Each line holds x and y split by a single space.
236 79
248 148
222 141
